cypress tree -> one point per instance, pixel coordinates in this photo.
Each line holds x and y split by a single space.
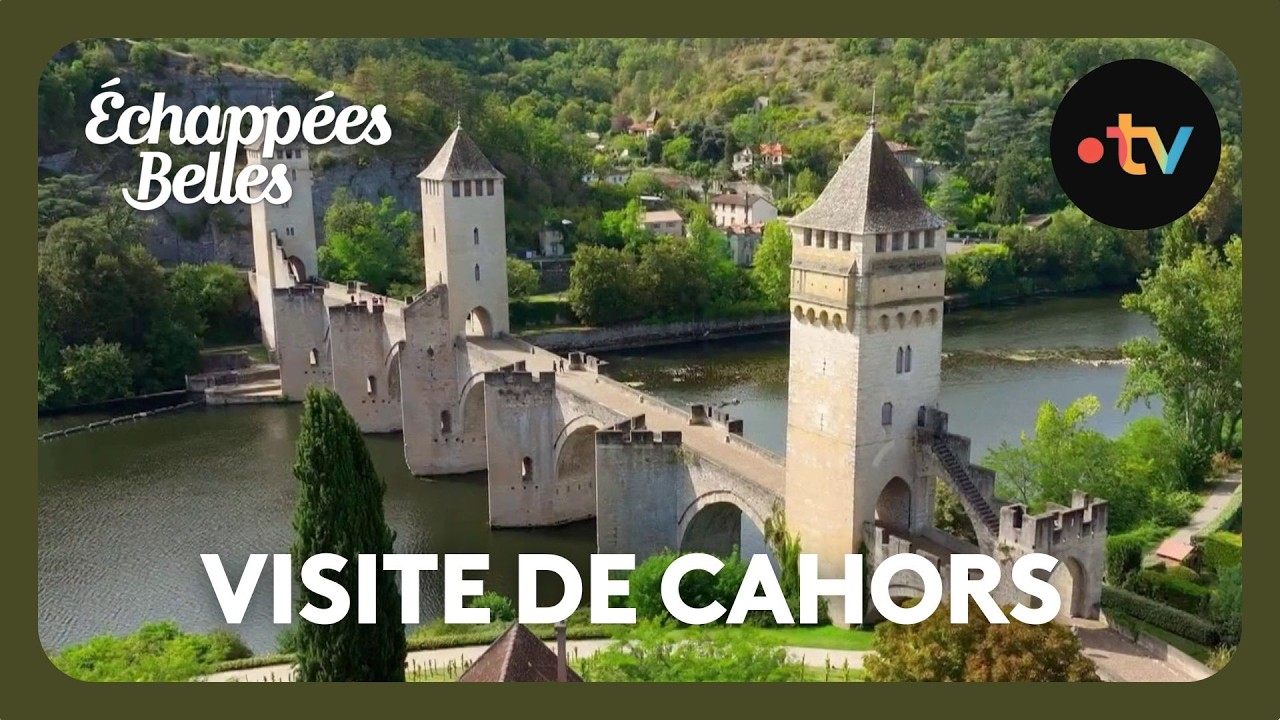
340 511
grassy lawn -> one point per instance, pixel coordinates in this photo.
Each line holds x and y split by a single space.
1194 649
826 637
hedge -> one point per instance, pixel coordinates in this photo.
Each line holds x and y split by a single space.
542 313
1222 550
1124 557
1176 587
1162 616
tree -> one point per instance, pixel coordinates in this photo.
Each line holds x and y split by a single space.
210 297
1194 363
771 270
1215 211
936 650
676 151
94 373
522 279
157 652
675 278
602 286
625 227
650 653
373 244
340 511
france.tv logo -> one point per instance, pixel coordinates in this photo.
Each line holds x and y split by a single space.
1135 144
1125 134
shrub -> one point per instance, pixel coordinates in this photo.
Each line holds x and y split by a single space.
499 605
1176 587
1226 604
157 652
1230 519
1162 616
1124 557
324 160
1222 550
146 56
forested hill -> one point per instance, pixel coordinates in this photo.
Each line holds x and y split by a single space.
980 107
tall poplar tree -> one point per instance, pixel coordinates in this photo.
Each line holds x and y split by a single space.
340 511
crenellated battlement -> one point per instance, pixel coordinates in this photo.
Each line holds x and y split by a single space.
706 415
1082 523
521 382
668 438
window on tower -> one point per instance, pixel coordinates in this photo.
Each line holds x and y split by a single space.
897 241
928 238
913 240
488 187
457 188
846 241
475 235
907 365
477 272
882 242
466 188
886 414
898 365
808 237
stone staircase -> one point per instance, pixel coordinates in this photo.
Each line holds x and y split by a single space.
258 384
960 479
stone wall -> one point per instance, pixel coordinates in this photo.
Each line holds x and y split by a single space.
365 373
520 422
302 340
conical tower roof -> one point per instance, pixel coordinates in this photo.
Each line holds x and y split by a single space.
869 194
459 159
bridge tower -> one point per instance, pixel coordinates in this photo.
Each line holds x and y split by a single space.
284 236
866 334
464 236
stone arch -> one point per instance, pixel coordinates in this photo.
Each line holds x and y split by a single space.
712 523
810 316
574 458
933 315
1071 581
915 318
479 322
471 406
884 322
837 321
799 313
893 505
902 320
824 318
393 372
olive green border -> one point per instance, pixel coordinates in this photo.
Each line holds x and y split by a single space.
32 31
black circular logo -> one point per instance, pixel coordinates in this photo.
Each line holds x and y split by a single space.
1135 144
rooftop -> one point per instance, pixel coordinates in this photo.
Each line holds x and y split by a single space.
516 656
869 194
459 159
656 216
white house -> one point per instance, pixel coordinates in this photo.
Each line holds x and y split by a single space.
664 222
742 209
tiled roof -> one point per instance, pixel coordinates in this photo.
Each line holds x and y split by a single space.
516 656
459 159
662 216
870 193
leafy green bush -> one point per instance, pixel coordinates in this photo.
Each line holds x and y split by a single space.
146 56
538 314
1124 557
1176 587
1161 615
157 652
1222 550
500 607
697 588
1226 605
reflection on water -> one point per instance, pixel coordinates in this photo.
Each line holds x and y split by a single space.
125 512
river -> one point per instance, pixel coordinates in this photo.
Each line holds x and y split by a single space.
125 512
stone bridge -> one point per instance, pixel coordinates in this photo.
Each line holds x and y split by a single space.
559 441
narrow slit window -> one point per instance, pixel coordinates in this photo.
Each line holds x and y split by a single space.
371 385
457 188
313 357
526 469
899 364
477 272
907 365
446 423
886 414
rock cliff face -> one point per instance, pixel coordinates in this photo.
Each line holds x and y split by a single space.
199 233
